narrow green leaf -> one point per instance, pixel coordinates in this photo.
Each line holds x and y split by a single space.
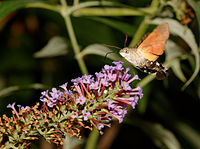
146 80
9 90
142 106
56 46
176 67
139 33
162 137
174 52
9 6
187 35
121 26
188 133
196 8
99 49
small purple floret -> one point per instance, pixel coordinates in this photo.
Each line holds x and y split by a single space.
112 77
85 115
74 115
94 85
81 100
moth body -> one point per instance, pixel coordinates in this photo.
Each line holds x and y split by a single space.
134 56
144 55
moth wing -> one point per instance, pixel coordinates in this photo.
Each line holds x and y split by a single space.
154 44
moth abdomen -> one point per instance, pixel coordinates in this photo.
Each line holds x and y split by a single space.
155 67
160 75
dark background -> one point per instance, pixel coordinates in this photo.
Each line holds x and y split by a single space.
26 31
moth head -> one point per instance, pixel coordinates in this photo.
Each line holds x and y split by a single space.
125 52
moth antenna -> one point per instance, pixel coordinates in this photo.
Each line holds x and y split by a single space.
125 42
111 51
111 46
107 54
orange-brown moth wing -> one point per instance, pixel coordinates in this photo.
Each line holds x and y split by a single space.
154 44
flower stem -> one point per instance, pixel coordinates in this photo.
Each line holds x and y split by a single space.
64 3
113 12
140 32
75 45
92 140
144 25
76 2
72 37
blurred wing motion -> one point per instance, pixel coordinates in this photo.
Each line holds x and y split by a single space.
143 56
153 46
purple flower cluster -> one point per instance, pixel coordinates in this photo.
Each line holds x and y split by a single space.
95 101
92 101
51 97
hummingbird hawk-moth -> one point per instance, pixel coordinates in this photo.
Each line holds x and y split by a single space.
144 55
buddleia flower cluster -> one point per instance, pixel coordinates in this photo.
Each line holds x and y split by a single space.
92 102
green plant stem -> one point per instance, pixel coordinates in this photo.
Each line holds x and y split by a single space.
81 10
143 26
64 3
84 5
92 140
140 32
72 37
43 6
137 37
76 2
113 12
75 45
155 3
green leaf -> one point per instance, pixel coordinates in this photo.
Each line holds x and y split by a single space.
187 35
9 90
162 137
176 67
188 133
173 53
99 49
173 50
142 106
196 8
9 6
121 26
56 46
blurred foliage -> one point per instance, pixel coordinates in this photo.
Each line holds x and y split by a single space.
46 43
